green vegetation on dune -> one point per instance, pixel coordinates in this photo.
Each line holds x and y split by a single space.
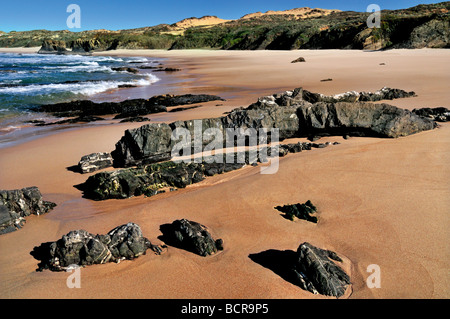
417 27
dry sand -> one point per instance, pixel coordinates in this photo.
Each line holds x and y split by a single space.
380 201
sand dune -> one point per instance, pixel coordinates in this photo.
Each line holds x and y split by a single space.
299 13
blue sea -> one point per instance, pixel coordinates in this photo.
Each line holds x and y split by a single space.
27 80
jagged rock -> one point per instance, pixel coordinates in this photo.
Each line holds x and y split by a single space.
85 108
150 179
353 96
439 114
191 236
82 248
169 69
127 108
302 211
125 69
316 271
95 161
360 119
17 204
151 142
297 113
86 45
53 47
300 59
135 119
79 119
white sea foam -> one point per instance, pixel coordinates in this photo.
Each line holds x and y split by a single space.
84 88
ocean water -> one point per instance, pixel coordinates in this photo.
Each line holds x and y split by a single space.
27 80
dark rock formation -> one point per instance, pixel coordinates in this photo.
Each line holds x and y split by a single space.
297 113
191 236
127 108
168 69
75 120
79 47
17 204
311 268
83 46
439 114
317 272
302 211
151 179
353 96
135 119
82 248
125 69
300 59
95 161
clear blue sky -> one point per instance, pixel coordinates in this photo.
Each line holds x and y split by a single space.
21 15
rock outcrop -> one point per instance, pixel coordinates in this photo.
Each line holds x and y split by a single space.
17 204
313 269
439 114
152 179
353 96
191 236
82 248
297 113
94 162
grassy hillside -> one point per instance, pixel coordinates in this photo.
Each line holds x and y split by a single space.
417 27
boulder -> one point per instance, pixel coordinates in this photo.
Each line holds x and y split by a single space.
316 271
191 236
94 162
147 144
53 47
300 59
79 247
301 211
17 204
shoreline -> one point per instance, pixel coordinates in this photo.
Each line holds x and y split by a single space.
380 201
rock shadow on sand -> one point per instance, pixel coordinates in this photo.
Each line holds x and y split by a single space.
281 262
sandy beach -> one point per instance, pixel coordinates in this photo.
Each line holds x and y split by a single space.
380 201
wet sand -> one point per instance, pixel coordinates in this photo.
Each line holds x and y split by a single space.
380 201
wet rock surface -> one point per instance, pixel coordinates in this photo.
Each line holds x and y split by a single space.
191 236
17 204
81 248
